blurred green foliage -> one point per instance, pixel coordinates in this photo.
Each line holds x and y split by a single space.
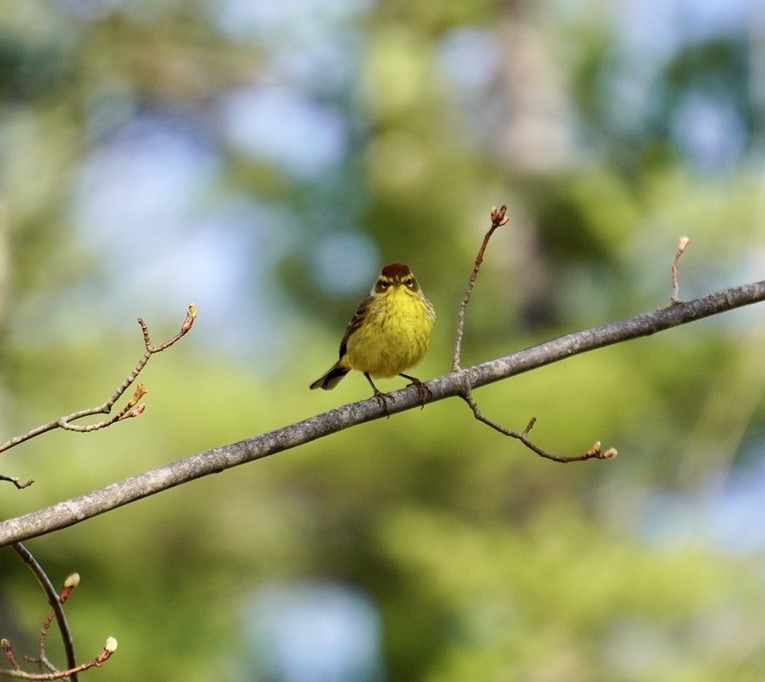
485 562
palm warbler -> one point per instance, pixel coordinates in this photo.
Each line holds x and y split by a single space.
389 333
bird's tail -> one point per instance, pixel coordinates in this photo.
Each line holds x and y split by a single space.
332 378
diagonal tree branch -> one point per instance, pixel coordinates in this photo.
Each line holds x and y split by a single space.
457 383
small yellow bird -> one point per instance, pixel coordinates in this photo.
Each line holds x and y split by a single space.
389 333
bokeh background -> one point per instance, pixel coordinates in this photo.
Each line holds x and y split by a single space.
263 159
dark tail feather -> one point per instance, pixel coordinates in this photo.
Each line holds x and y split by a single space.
331 378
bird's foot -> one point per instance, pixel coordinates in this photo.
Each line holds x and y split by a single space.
422 390
382 399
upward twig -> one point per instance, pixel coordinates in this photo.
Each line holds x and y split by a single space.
682 245
498 219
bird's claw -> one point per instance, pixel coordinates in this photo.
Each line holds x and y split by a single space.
422 390
382 399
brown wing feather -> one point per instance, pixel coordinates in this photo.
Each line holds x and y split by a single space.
354 324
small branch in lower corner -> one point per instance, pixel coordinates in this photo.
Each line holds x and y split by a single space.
56 599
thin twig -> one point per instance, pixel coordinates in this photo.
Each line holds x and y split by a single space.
104 655
132 409
17 482
128 411
55 602
71 582
595 452
682 244
498 218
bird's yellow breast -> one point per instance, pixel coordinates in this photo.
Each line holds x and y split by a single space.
395 334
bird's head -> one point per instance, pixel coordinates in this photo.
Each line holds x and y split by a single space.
396 275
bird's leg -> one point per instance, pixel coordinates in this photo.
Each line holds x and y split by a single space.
380 397
422 389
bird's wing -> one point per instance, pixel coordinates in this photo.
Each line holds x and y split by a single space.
354 324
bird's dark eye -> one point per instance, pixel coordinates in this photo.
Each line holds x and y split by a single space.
383 284
409 283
